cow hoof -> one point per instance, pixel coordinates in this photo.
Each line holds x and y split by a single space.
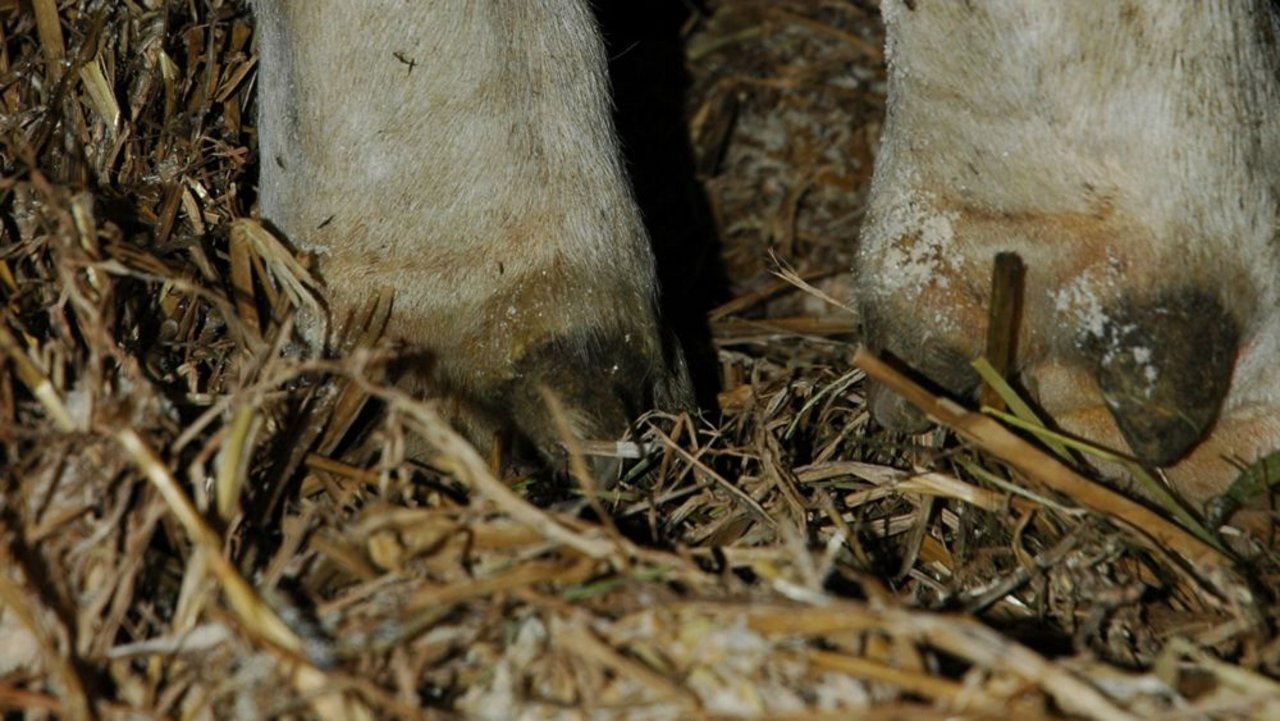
575 389
1164 369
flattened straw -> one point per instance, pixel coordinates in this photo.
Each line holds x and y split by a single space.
49 29
255 615
1046 469
16 598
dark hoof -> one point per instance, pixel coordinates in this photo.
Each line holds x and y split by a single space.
942 368
893 411
1164 368
592 389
